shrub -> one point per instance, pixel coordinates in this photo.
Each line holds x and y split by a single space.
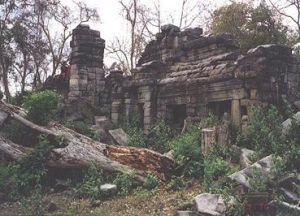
135 132
41 106
151 182
90 186
265 130
176 183
214 168
126 182
29 172
257 182
160 136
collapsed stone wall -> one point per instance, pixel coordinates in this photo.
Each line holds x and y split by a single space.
182 75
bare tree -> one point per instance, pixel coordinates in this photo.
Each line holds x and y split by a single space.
54 13
283 6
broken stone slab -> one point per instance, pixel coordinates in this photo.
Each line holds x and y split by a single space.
211 204
103 122
109 189
119 136
297 104
283 208
290 196
287 123
264 166
243 155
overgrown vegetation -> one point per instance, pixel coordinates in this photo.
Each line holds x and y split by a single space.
41 106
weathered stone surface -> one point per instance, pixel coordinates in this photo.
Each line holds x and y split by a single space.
119 136
264 166
186 213
3 117
210 204
288 123
109 189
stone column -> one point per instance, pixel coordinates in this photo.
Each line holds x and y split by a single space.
236 111
86 73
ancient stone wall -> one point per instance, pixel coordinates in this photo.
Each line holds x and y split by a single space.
87 83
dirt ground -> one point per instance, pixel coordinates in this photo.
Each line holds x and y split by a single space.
139 203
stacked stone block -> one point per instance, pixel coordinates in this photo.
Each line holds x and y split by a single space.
87 81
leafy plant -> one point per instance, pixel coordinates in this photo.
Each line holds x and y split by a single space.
33 205
126 182
152 182
265 130
160 136
41 106
214 168
257 182
29 172
176 183
90 186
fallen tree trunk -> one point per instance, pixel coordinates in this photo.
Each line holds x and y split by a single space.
79 151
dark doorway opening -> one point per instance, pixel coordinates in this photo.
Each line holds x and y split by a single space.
141 114
220 108
176 114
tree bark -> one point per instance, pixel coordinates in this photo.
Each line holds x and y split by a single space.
80 151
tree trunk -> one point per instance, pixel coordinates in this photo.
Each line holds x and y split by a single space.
80 151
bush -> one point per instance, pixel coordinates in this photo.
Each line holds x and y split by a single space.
265 131
151 182
160 136
135 132
187 153
215 167
29 172
176 183
126 182
90 186
257 182
41 106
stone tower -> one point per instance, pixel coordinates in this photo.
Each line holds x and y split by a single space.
87 79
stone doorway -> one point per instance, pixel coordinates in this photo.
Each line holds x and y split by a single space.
176 114
220 108
141 114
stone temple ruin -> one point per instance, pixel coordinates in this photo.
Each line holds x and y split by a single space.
182 75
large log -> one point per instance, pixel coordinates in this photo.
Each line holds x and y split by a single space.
79 151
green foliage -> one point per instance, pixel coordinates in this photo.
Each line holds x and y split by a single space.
257 182
187 153
160 136
126 182
41 106
215 167
251 26
135 132
33 205
264 132
176 183
90 186
22 177
152 182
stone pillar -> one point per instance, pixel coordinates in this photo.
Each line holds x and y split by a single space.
236 111
115 111
86 73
